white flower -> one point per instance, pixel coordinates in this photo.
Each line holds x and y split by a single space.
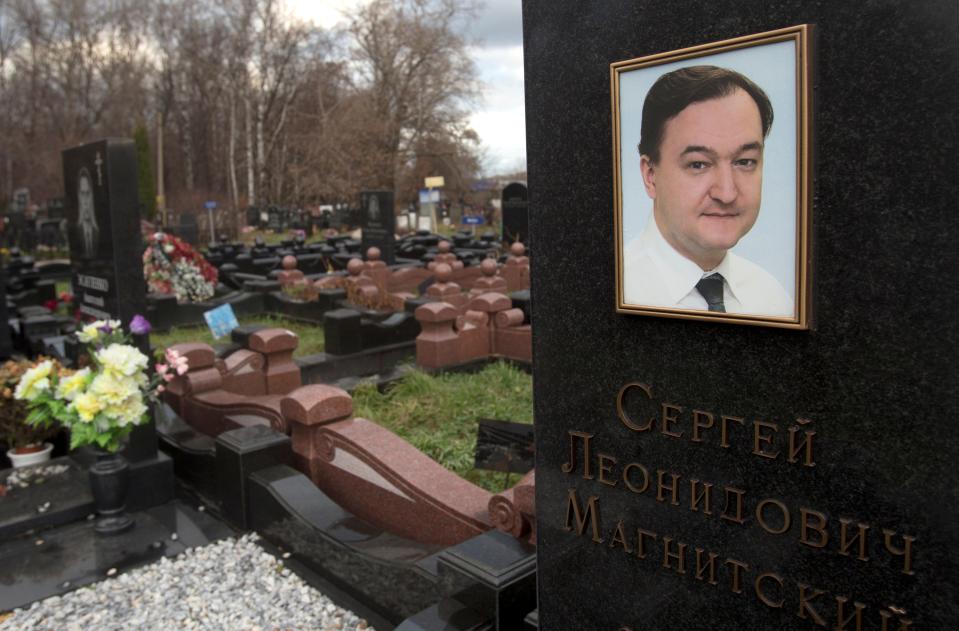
87 406
122 359
127 412
111 389
90 332
34 382
71 387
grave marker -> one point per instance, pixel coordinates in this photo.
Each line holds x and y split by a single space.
106 250
702 475
378 223
188 229
6 340
103 224
504 446
515 208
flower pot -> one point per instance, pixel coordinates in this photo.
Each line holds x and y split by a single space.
26 456
109 481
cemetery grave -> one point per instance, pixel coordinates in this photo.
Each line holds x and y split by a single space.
310 336
240 435
691 468
345 470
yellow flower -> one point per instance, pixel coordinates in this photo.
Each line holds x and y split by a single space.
34 382
87 406
122 360
90 332
111 389
73 385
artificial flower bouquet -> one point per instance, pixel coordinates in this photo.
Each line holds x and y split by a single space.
14 432
172 266
63 305
102 403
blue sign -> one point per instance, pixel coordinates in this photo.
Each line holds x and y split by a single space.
473 220
210 205
221 320
429 196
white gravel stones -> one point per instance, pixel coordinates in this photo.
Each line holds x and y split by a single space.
230 584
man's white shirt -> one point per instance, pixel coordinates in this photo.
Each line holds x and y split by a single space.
656 275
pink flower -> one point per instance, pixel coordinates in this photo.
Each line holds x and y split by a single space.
161 368
160 388
182 369
169 376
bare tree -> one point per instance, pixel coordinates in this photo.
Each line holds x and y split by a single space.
71 69
412 63
257 107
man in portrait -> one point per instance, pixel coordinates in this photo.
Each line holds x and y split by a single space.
701 158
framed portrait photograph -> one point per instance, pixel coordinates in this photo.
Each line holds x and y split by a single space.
712 181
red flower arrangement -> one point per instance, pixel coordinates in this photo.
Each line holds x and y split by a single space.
172 266
61 304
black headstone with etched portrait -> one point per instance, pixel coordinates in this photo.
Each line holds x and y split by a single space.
515 208
103 226
378 223
106 251
697 474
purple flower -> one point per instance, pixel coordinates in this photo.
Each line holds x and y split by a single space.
140 325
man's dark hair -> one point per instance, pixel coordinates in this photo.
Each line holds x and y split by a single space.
675 91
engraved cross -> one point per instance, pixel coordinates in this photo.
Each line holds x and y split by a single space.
99 163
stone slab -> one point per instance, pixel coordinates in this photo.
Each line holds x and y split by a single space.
374 567
60 560
59 499
875 374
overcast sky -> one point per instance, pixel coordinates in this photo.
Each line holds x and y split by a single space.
498 32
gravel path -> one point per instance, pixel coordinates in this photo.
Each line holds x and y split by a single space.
229 585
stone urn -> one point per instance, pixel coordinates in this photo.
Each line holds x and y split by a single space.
109 481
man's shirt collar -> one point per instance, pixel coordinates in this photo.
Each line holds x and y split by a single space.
679 274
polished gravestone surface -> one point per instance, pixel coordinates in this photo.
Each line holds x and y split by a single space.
759 478
515 208
106 248
44 563
378 223
50 499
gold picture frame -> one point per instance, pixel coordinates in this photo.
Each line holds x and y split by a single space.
674 201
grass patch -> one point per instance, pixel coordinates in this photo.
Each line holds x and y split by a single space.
272 238
311 336
438 414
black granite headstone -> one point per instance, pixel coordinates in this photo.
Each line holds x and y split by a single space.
378 223
106 248
694 475
515 207
55 208
187 229
50 233
6 340
503 446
